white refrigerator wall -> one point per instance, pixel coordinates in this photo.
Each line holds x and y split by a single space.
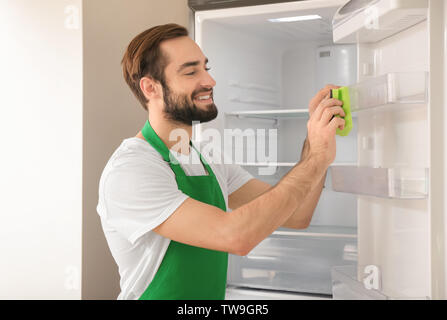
303 75
41 163
248 77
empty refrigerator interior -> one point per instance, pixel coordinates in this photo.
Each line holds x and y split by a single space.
266 75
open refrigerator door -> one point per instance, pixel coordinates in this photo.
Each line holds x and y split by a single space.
398 179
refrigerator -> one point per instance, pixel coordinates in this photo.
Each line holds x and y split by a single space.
378 231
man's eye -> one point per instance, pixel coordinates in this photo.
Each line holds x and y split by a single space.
193 72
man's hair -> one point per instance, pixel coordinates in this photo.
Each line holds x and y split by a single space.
144 58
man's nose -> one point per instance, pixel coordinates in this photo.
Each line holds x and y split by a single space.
207 81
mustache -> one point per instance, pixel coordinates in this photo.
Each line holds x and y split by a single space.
195 93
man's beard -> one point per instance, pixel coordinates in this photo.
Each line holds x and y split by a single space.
179 108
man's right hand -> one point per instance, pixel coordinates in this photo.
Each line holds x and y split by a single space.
322 127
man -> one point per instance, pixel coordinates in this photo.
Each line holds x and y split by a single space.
168 223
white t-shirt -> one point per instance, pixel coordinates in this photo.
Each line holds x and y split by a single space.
137 193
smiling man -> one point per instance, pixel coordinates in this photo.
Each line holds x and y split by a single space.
168 223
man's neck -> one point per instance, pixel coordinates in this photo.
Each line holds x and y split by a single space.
165 130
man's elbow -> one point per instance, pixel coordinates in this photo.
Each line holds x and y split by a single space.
306 223
297 224
238 245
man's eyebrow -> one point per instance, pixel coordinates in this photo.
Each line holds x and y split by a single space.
190 64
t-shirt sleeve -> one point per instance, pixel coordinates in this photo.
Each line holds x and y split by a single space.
138 195
236 177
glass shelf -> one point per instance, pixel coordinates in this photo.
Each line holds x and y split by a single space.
391 89
271 114
292 260
319 231
393 183
406 88
279 164
266 164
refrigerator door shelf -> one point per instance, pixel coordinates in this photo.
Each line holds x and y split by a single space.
295 261
393 183
390 90
377 20
346 286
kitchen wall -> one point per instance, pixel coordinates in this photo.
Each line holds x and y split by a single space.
111 113
65 109
41 162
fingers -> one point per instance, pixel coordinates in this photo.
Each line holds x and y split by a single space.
321 95
327 103
330 112
337 123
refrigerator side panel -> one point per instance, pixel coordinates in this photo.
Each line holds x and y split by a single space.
394 233
437 16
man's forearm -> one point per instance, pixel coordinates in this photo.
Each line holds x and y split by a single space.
305 150
259 218
301 218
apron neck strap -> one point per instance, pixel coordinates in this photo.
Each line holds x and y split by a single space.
151 136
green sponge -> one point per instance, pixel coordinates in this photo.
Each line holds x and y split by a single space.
342 94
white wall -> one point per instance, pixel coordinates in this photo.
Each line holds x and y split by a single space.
65 108
41 162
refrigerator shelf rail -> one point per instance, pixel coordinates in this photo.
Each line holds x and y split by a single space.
280 164
392 183
318 231
271 114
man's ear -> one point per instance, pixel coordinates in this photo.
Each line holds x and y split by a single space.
150 88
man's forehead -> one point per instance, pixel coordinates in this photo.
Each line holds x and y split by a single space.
181 50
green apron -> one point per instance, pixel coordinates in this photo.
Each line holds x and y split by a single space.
188 272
